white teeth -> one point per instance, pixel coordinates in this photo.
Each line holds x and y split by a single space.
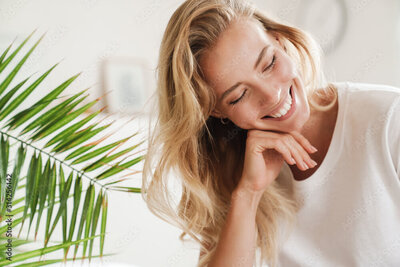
285 108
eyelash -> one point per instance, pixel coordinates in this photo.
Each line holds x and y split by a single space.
269 67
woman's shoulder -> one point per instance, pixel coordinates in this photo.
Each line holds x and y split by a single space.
368 97
370 90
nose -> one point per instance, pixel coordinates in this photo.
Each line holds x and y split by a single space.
269 95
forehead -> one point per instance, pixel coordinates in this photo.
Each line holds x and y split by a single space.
236 49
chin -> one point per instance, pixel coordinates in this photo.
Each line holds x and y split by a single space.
294 124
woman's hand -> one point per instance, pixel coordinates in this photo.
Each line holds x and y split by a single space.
265 153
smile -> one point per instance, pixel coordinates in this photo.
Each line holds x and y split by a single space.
286 110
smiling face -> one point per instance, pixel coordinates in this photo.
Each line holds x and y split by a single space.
253 77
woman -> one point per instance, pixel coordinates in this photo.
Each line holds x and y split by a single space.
270 156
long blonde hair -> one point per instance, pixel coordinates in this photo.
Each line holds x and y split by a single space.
204 156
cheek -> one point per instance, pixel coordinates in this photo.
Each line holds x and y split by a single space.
286 67
245 115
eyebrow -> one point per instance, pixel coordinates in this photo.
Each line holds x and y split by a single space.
260 56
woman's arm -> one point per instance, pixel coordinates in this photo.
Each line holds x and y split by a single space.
236 245
264 156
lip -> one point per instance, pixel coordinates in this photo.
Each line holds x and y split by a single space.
290 111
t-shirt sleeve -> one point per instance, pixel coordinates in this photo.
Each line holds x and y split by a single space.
394 134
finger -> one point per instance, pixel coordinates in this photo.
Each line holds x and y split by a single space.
303 153
282 142
285 152
304 142
275 144
297 155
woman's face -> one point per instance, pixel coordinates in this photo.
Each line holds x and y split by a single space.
255 68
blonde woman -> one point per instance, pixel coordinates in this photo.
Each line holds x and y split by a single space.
271 158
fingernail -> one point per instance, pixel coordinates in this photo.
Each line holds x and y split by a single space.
292 161
305 165
313 149
314 163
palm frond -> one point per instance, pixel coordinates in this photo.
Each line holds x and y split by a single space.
25 115
39 170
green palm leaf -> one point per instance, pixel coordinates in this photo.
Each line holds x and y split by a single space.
4 100
95 220
42 251
77 199
46 133
117 168
70 130
54 124
68 118
43 191
104 160
18 100
78 138
35 190
104 206
4 154
46 117
88 200
26 114
4 55
101 150
29 187
4 63
51 200
88 220
64 191
20 157
86 147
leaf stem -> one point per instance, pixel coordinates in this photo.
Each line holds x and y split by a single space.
56 159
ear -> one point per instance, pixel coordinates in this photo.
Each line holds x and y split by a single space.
216 113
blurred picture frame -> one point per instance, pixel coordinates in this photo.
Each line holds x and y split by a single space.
125 84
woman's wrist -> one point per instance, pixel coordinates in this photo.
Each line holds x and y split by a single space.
244 187
246 196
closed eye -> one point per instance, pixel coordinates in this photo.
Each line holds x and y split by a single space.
270 65
267 68
237 100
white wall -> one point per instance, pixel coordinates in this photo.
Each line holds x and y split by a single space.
370 50
83 33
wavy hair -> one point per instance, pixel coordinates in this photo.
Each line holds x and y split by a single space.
189 146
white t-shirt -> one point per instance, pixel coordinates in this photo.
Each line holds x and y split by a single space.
351 211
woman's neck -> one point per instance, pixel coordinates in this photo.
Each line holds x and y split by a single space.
319 131
321 123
